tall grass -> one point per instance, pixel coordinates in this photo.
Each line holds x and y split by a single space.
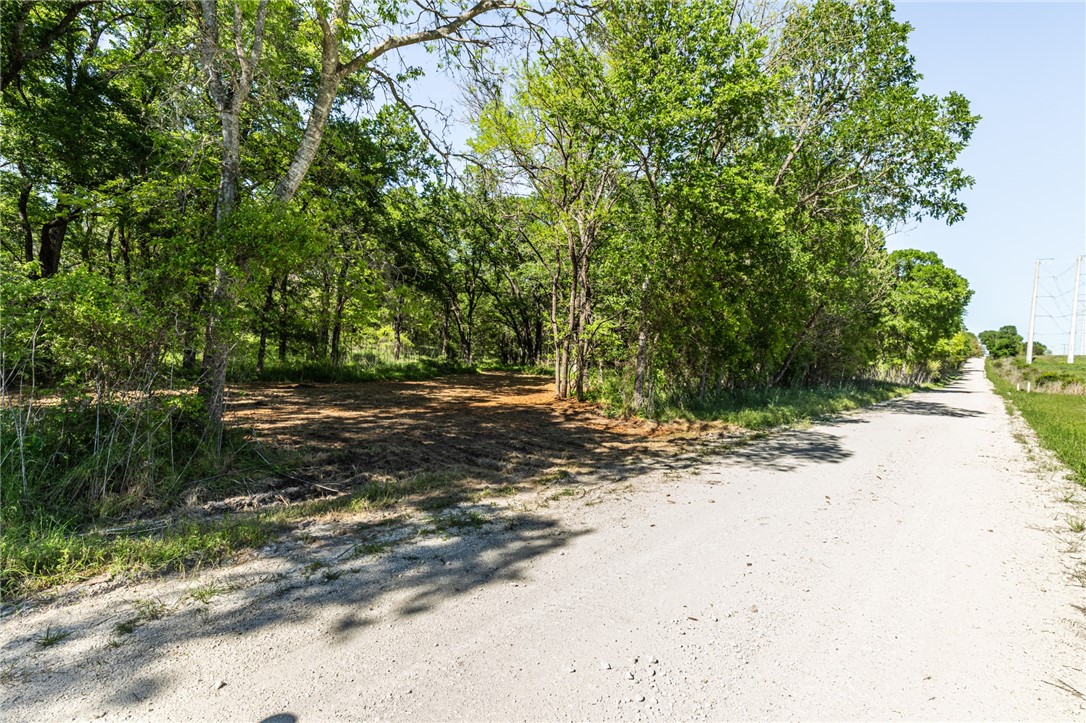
71 464
1047 373
1058 419
759 408
762 409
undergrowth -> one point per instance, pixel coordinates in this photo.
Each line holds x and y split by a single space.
70 463
759 409
755 408
535 370
1047 373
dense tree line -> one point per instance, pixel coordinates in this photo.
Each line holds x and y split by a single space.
1007 342
671 198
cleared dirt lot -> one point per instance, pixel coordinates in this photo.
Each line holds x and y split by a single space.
477 430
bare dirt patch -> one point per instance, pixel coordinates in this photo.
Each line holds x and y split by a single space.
474 430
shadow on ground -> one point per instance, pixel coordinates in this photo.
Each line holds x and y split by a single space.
328 589
789 450
480 431
473 431
908 405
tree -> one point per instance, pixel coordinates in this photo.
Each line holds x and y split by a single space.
857 147
924 306
349 41
554 138
1003 342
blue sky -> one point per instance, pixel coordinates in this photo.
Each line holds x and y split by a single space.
1022 65
1023 68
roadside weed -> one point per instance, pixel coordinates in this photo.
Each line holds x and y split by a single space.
51 637
205 592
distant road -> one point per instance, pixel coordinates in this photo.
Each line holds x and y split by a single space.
906 562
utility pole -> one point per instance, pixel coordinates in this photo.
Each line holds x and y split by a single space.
1033 312
1074 310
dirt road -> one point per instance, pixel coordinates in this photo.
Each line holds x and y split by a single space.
907 562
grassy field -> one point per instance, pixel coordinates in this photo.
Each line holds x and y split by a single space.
1058 419
1059 365
1049 373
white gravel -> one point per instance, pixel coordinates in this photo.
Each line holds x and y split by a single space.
906 562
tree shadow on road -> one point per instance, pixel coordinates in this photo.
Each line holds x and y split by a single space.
789 450
910 405
329 589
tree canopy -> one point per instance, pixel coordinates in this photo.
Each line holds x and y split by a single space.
661 199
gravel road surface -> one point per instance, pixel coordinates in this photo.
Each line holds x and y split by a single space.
906 562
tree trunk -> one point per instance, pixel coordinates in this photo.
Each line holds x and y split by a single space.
779 376
641 369
307 150
641 397
24 220
52 241
341 305
188 336
218 339
125 253
217 345
283 319
265 312
561 343
109 252
444 352
397 327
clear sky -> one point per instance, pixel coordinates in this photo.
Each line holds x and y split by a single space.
1023 68
1022 65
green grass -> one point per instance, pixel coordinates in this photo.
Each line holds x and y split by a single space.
51 637
1058 419
758 409
1051 373
42 555
535 370
37 558
1059 365
204 593
449 525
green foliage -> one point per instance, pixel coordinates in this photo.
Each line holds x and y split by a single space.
45 554
1048 373
1002 343
667 203
758 409
924 307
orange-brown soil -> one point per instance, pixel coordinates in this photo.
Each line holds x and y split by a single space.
486 427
